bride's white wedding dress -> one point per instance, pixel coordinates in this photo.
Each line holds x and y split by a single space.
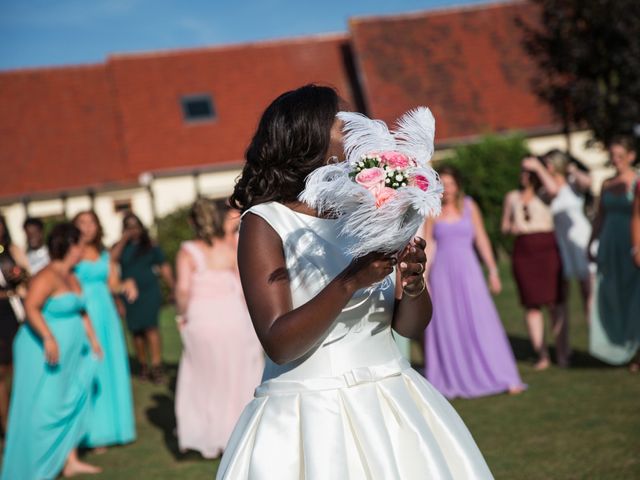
352 407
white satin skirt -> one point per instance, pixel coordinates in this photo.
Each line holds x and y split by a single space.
382 422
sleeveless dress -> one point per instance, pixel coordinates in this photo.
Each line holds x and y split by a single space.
572 232
536 263
221 359
112 421
50 405
352 407
466 348
142 314
614 336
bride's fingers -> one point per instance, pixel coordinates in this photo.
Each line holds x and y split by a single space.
413 268
412 280
413 254
420 242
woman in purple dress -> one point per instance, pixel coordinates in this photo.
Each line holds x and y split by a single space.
466 349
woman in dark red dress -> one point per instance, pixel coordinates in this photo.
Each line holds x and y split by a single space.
537 266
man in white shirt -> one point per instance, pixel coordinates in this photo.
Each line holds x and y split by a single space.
37 252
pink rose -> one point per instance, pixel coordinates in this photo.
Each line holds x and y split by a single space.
384 195
395 160
420 181
372 179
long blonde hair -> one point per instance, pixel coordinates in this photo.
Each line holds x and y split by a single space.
208 218
558 159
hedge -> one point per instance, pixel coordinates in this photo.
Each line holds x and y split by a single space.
490 168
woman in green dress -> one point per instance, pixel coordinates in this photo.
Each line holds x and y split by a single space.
142 261
635 227
615 316
54 370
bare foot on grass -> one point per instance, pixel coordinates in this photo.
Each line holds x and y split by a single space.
542 364
71 469
516 390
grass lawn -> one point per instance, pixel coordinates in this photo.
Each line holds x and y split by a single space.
580 423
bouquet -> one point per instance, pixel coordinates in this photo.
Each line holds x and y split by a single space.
386 187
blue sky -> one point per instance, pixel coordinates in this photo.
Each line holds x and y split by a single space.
58 32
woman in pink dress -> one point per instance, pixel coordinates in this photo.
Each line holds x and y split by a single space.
221 359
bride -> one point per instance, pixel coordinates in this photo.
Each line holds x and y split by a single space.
337 399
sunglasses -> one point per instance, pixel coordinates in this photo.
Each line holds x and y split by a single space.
527 214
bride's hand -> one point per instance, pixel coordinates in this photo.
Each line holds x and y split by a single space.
412 262
364 271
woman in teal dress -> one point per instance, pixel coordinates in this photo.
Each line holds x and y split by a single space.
112 421
615 317
54 371
142 261
635 227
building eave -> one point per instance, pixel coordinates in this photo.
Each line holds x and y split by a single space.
542 131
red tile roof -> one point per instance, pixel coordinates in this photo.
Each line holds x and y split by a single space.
71 128
58 130
467 64
242 80
68 128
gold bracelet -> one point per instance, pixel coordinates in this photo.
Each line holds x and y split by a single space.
424 286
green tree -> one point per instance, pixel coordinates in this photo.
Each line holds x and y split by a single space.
589 56
172 230
490 169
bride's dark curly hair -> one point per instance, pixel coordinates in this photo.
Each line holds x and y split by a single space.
291 141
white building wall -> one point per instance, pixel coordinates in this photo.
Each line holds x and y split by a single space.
15 216
169 194
109 219
594 156
218 184
141 206
75 205
104 205
172 192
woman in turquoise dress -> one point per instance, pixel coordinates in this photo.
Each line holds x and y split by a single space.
615 317
54 371
113 421
143 262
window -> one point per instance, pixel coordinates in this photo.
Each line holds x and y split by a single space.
122 205
198 108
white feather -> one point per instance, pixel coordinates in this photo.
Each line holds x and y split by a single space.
363 135
388 228
415 134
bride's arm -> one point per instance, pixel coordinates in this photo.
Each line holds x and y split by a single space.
284 332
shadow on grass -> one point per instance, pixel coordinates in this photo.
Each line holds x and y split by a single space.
162 415
579 359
